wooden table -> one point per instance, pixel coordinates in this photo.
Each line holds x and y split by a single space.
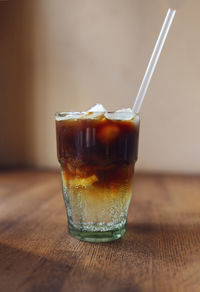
159 252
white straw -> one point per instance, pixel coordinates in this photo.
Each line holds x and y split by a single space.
153 61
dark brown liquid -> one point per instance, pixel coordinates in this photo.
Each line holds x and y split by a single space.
105 148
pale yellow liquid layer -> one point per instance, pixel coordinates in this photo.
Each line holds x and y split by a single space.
89 203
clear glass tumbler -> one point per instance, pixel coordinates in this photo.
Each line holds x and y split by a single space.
97 153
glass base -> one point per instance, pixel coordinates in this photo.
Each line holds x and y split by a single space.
97 236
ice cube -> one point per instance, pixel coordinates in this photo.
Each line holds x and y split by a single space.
82 182
68 116
108 133
123 114
94 112
97 108
126 110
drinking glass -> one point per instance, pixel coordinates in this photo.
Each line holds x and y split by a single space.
97 153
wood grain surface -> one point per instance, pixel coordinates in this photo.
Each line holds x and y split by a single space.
159 252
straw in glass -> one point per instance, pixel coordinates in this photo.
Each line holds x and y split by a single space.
153 61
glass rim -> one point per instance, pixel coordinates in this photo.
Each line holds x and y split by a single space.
63 114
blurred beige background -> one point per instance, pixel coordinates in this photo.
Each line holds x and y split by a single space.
69 54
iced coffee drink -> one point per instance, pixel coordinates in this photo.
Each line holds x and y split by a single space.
97 151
